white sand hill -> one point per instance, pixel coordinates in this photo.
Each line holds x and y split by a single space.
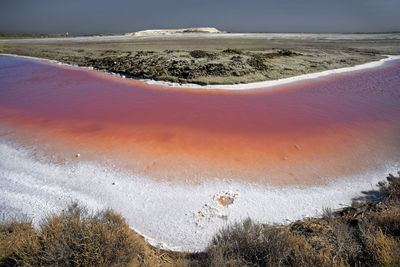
174 31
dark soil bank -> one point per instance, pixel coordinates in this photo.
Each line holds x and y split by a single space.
219 67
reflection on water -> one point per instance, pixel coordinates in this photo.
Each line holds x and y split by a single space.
298 133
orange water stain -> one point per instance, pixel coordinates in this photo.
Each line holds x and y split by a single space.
301 133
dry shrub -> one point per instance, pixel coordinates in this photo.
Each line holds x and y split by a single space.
250 244
391 188
388 221
304 255
78 238
347 248
17 239
385 249
329 240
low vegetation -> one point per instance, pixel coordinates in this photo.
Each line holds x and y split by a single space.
365 234
78 238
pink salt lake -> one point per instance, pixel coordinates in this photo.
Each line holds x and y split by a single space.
306 132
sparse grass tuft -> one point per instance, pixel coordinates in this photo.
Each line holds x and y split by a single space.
327 213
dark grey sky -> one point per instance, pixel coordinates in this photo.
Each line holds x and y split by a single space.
119 16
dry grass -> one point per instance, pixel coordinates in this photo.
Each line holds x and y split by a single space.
385 249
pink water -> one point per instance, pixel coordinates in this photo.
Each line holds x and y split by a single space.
301 133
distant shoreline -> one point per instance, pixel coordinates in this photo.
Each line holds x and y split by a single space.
222 35
72 35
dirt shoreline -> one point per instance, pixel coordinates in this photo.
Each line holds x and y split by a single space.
208 61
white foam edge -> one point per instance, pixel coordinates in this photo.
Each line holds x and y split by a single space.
242 86
165 213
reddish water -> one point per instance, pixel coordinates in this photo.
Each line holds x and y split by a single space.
298 133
